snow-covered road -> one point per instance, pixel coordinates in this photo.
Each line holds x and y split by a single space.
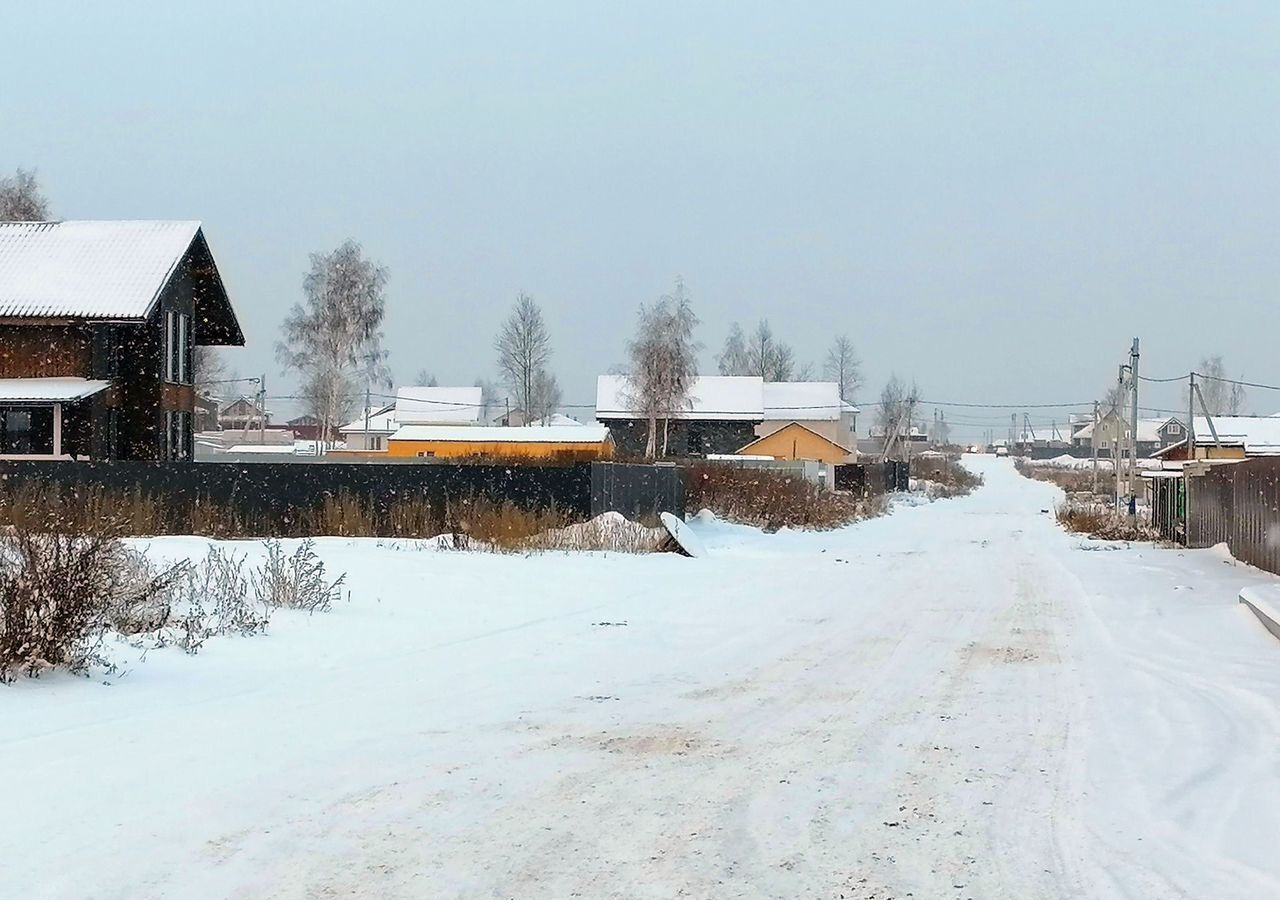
958 700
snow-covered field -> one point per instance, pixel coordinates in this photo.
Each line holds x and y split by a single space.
957 700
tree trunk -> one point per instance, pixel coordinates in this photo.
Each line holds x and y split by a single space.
665 426
650 448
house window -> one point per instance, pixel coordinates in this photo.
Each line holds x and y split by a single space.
177 434
177 350
426 454
26 431
375 443
1173 428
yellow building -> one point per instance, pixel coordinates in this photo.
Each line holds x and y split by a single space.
531 442
796 441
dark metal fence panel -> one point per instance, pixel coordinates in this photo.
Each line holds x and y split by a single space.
285 489
636 491
1238 504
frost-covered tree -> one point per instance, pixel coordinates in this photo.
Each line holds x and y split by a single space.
424 378
490 399
896 412
1222 396
733 357
524 351
333 339
843 367
768 357
21 199
664 362
546 397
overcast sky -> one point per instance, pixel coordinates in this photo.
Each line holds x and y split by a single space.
992 198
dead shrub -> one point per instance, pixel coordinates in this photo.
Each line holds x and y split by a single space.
945 475
770 500
60 592
1101 521
1072 481
296 580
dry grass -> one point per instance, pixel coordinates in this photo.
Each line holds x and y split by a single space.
1099 520
1072 481
772 500
946 476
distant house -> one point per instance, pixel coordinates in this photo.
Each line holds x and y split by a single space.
97 325
796 441
1153 434
495 442
306 427
813 404
1238 437
371 430
206 413
244 414
721 416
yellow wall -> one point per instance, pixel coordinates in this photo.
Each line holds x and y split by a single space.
796 442
532 450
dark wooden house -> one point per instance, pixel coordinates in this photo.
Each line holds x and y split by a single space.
721 416
97 325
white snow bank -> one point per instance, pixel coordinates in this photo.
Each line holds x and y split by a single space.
1264 600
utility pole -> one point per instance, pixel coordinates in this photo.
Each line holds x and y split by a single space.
1013 430
262 409
1093 440
1117 457
1191 416
367 389
1133 435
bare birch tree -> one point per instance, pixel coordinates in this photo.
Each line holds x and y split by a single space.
334 338
21 199
664 363
843 367
733 357
424 378
767 357
546 397
524 350
1222 396
897 409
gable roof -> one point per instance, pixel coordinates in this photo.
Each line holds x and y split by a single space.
1148 429
1258 435
802 400
112 270
439 405
726 398
802 427
381 420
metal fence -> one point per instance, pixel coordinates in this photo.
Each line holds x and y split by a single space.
1238 504
286 490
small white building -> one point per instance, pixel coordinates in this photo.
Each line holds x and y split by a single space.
419 405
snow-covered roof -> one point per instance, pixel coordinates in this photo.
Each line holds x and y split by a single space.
57 390
102 270
1148 430
439 405
381 420
497 434
730 398
1259 435
802 401
558 419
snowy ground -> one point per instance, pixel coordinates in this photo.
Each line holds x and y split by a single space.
957 700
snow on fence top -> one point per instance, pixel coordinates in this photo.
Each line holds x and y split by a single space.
88 269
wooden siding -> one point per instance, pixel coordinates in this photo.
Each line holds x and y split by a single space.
796 442
45 351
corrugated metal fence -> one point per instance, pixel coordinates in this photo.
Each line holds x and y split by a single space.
1239 505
